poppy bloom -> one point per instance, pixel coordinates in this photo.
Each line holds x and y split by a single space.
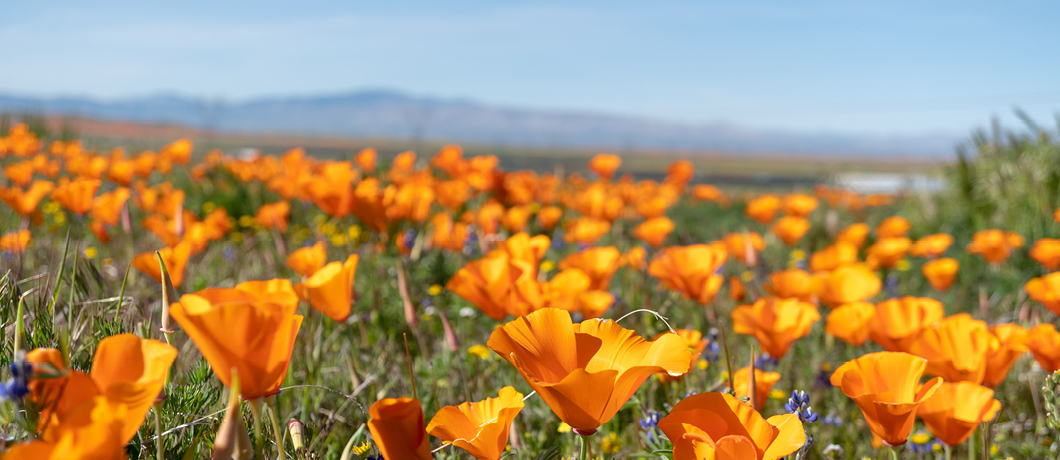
92 431
15 242
486 283
106 208
634 258
956 409
600 263
397 428
793 283
175 258
549 216
570 290
884 386
586 230
763 209
680 172
721 426
994 245
956 348
848 283
850 322
1044 342
76 195
604 165
1046 252
273 215
366 160
706 192
834 256
236 329
306 261
654 231
764 382
25 202
799 205
931 246
790 229
744 246
696 344
887 252
690 270
1012 340
898 322
585 372
480 427
776 323
515 219
330 289
940 272
855 234
893 227
737 291
1045 290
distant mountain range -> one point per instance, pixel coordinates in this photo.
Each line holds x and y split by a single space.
389 114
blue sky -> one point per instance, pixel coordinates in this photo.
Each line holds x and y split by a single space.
848 66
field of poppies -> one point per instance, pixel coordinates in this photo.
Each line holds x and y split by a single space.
186 304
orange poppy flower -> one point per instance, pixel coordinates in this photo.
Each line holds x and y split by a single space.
764 382
175 258
92 431
887 252
306 261
776 323
15 242
834 256
737 291
846 284
274 215
706 192
1044 342
549 216
20 173
690 270
1012 340
106 208
899 322
515 219
799 205
994 245
1046 252
744 246
452 194
696 344
25 202
635 258
330 289
793 283
940 272
585 372
486 283
956 348
931 246
850 322
763 209
586 230
600 263
76 195
893 227
884 386
604 165
570 290
790 229
854 234
397 428
1045 290
956 409
366 160
722 427
480 427
234 328
680 172
654 231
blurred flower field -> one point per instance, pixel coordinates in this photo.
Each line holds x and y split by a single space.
187 304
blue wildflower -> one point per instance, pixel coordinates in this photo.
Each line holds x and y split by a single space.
799 403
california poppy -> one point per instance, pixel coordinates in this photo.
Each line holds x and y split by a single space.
585 372
793 283
848 283
1012 340
799 205
884 386
893 227
15 242
654 231
92 431
956 409
330 289
737 291
690 270
1044 342
306 261
994 245
1045 290
106 208
515 219
775 322
366 160
549 216
706 192
480 427
722 427
898 322
273 215
237 329
940 272
763 209
76 195
600 263
855 234
744 246
850 322
696 344
486 283
175 258
1046 252
586 230
763 384
604 165
680 172
834 256
886 252
790 229
397 428
931 246
25 202
956 348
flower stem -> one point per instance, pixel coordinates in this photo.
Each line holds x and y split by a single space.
276 433
255 411
159 446
894 452
585 448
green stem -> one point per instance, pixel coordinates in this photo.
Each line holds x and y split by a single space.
948 451
894 452
159 447
276 433
255 411
585 448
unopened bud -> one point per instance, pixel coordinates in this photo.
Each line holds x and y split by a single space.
297 432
